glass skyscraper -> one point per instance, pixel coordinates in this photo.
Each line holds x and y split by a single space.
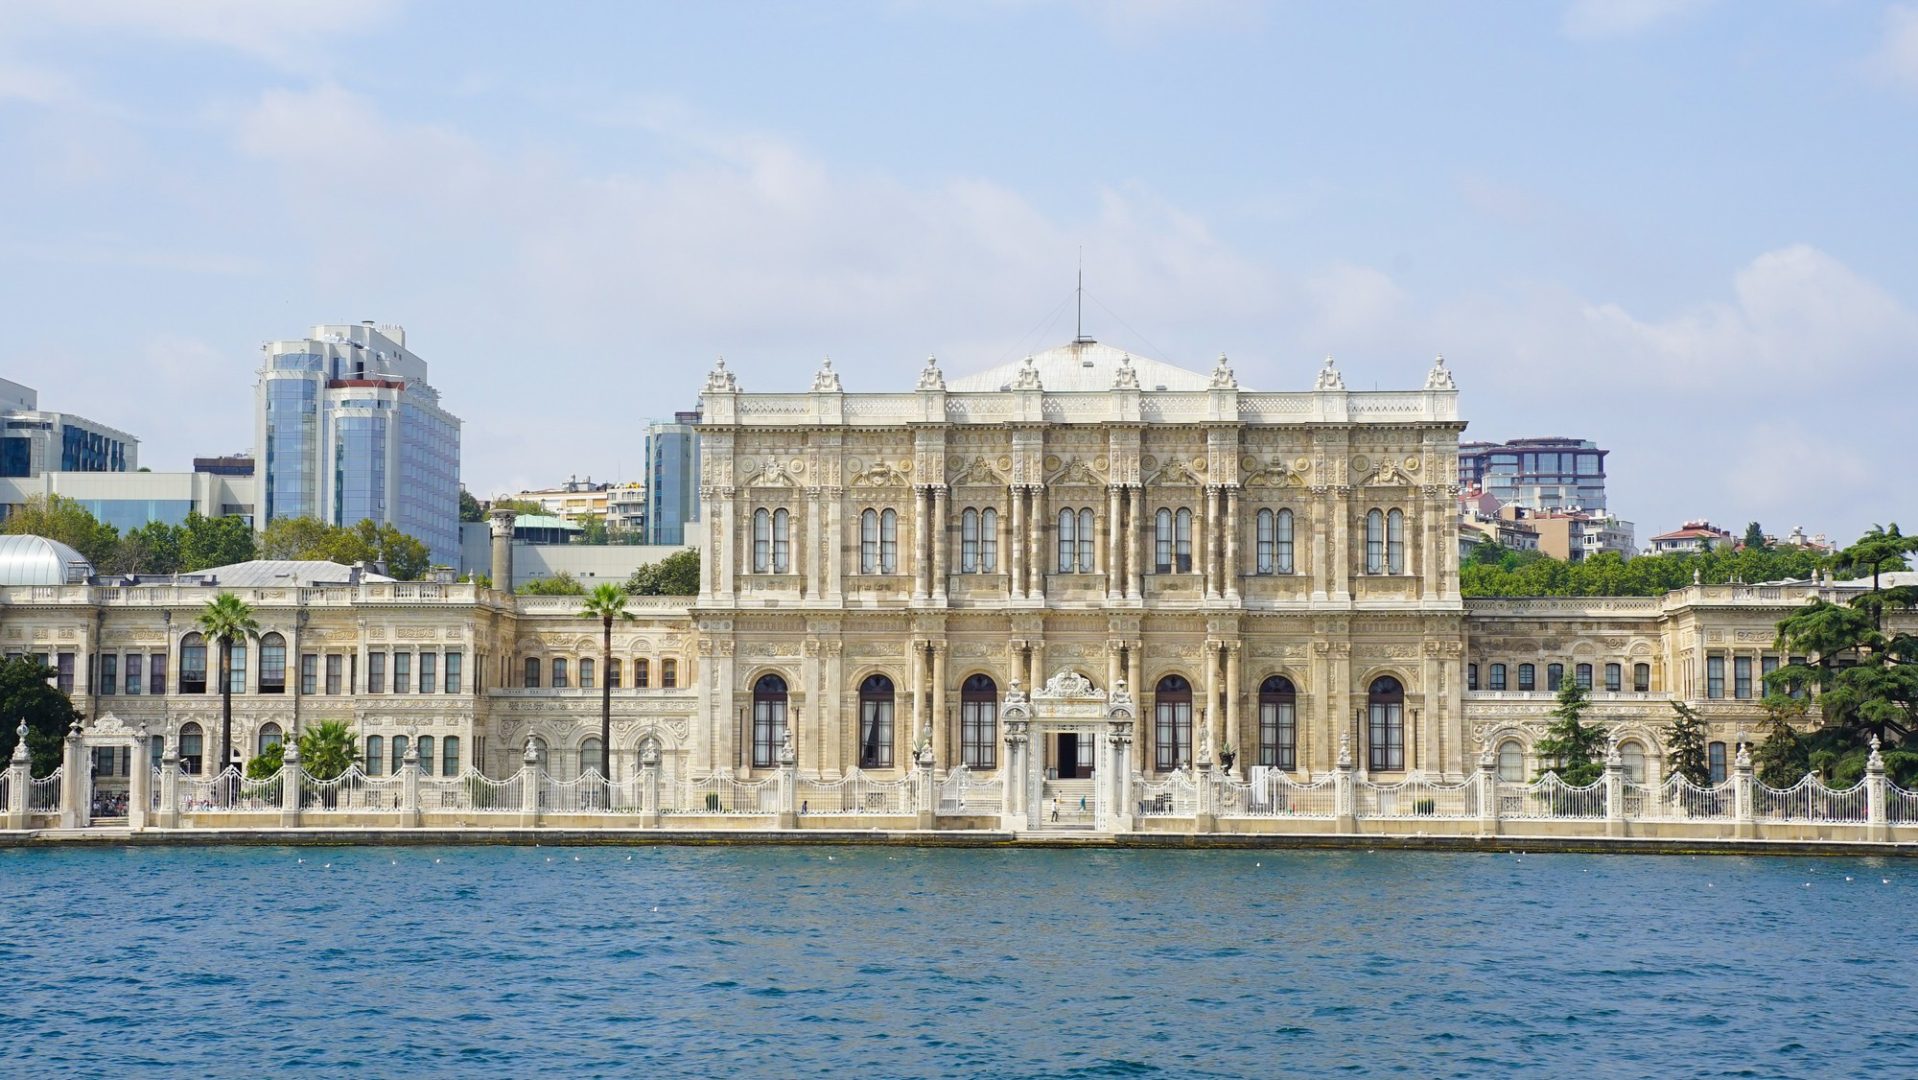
350 429
672 478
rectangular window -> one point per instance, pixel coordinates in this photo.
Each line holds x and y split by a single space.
586 673
156 674
1285 541
1797 688
1742 677
1554 677
402 672
875 733
1614 677
1714 677
532 673
429 673
333 673
376 673
1265 544
236 661
453 660
979 733
1498 676
450 752
1471 676
1642 678
668 674
1715 759
135 676
642 673
1527 677
1766 666
109 673
63 672
273 666
1583 673
989 541
309 673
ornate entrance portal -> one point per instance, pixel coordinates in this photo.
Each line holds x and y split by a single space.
1066 756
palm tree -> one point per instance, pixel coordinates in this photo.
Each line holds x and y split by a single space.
606 603
328 749
225 618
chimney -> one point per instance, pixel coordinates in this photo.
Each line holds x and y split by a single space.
502 522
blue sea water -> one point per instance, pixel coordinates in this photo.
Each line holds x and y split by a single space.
776 961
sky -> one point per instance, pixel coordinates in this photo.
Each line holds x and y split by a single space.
1682 228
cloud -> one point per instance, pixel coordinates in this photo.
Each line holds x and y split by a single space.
1598 20
1896 60
281 30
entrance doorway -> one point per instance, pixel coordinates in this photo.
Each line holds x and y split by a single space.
1073 759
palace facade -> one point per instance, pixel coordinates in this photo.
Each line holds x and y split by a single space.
1269 577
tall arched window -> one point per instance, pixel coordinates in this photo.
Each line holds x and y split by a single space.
1554 676
426 755
769 719
375 755
614 670
1511 762
782 542
586 672
1171 723
869 541
193 665
888 542
1068 546
1583 673
1498 677
1278 723
1632 755
192 749
1162 542
875 722
1642 678
1395 542
272 664
969 541
1374 542
1614 678
270 735
642 673
669 674
762 540
1527 677
1182 527
592 757
979 723
1285 542
989 541
1265 534
400 745
559 673
1386 736
1088 537
532 673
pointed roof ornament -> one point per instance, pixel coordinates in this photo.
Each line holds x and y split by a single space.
1125 376
1329 378
1439 378
1028 377
826 380
721 381
930 377
1222 377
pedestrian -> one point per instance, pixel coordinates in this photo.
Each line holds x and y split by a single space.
1055 808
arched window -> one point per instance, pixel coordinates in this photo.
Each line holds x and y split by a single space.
1632 757
193 665
1068 546
1386 731
782 541
1527 677
1087 541
592 757
1265 543
1498 677
192 749
1642 678
613 672
270 735
375 755
400 745
762 540
989 541
875 723
1278 723
1374 542
1162 542
1171 723
1395 542
272 664
1715 762
642 673
979 723
559 673
586 672
1182 526
1554 676
532 673
769 718
426 755
450 756
1614 678
888 542
1583 673
1511 762
669 674
869 542
1285 541
969 541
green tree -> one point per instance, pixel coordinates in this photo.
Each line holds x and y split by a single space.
153 548
296 538
27 693
606 603
1685 745
328 749
675 575
224 619
56 517
1783 758
267 762
1755 537
369 541
215 541
518 506
560 584
470 508
593 530
1572 748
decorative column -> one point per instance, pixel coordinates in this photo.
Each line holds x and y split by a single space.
292 780
788 782
834 543
1134 664
1116 765
19 775
727 543
410 782
925 790
1036 562
1232 730
921 584
1342 787
941 544
1207 532
1138 544
1015 547
649 781
140 782
1230 573
1038 663
1614 790
76 783
1114 671
169 815
918 688
1742 793
1115 547
1211 714
1016 713
1487 793
941 722
1879 828
529 785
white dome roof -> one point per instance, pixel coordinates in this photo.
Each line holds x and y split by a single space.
1083 367
36 560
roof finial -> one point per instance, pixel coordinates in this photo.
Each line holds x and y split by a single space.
1028 377
1079 321
826 381
929 376
1439 378
719 380
1222 377
1329 378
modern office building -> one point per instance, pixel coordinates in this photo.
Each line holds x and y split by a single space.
672 478
131 500
1549 473
348 428
35 441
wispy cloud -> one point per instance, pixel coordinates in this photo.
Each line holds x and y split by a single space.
1596 20
1896 60
282 31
